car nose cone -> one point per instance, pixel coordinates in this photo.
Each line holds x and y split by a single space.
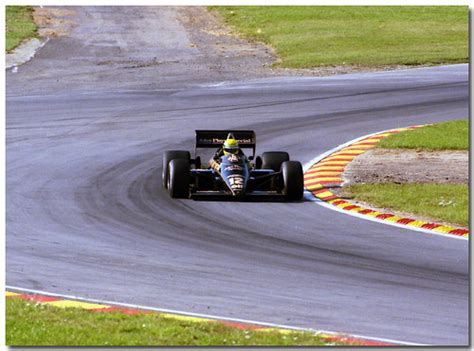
237 192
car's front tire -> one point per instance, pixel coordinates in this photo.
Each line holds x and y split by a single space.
179 178
293 181
274 159
167 157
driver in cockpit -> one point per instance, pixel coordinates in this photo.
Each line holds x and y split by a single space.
230 147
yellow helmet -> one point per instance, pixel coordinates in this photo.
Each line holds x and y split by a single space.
231 146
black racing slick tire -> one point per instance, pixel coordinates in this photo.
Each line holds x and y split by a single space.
293 183
167 157
274 159
179 178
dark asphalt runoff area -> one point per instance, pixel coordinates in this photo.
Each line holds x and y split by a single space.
86 214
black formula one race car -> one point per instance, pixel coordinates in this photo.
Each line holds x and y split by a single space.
231 174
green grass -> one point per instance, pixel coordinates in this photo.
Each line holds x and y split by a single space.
445 202
453 135
19 25
312 36
34 324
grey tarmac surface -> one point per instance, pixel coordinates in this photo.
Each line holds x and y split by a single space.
86 214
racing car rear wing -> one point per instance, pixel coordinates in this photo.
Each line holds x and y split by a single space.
215 138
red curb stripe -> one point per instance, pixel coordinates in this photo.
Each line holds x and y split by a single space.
326 165
331 164
378 137
313 177
309 182
459 232
342 153
348 153
329 198
319 176
354 341
324 173
405 221
366 211
325 198
349 149
318 171
357 147
319 191
37 298
348 208
430 226
321 166
335 203
121 310
384 216
336 158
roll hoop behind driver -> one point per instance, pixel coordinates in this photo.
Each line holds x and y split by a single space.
230 147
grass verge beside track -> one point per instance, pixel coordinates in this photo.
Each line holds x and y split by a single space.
29 323
367 36
446 202
452 135
19 25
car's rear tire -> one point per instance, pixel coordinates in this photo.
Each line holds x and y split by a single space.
167 157
179 178
293 182
274 159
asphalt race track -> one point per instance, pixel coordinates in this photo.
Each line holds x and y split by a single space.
86 214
